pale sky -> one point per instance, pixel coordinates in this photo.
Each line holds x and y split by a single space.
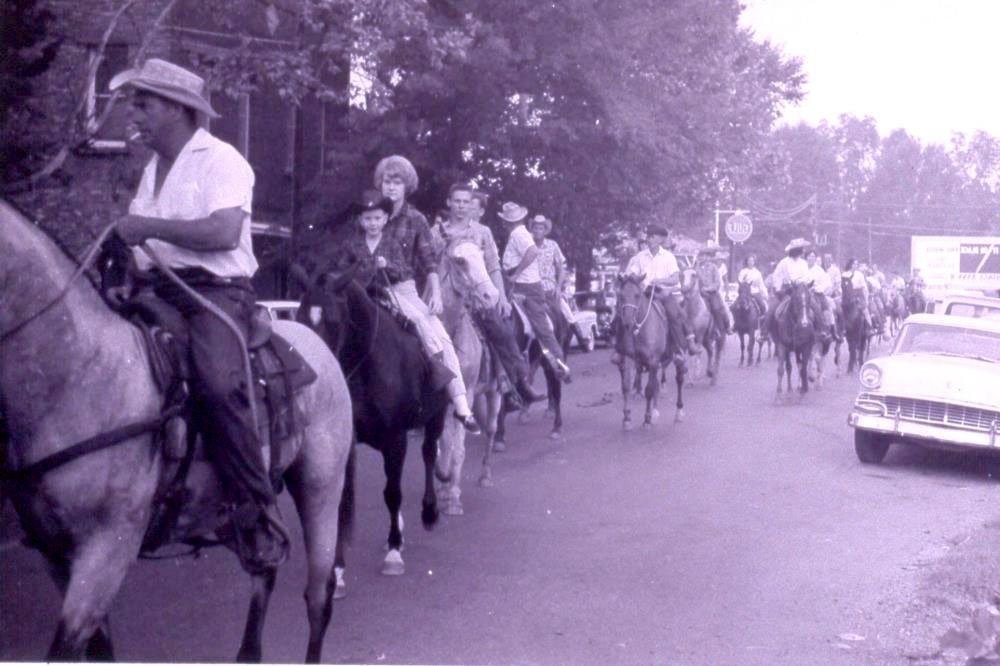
928 66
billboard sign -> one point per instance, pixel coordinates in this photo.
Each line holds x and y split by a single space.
969 262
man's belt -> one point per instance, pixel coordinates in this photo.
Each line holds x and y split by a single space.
194 277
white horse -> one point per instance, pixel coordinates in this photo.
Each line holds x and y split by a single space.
465 282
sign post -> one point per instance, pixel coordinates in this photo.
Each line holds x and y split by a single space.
738 229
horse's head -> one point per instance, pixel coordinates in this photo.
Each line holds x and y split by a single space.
799 304
630 294
743 296
326 306
467 270
690 282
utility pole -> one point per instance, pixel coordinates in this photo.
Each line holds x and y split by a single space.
869 239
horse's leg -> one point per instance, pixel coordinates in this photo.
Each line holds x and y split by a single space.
679 372
99 647
500 438
452 445
433 431
263 586
555 400
345 526
781 370
627 368
393 456
89 584
487 408
652 393
743 343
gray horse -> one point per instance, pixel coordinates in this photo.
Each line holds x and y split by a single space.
70 369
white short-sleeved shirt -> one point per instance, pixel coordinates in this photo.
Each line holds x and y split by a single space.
517 245
821 282
659 266
789 269
208 175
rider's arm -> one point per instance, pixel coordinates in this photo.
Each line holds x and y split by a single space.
218 232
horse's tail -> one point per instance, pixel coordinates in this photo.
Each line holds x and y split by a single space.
345 517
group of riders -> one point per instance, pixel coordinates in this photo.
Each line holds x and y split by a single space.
877 296
193 206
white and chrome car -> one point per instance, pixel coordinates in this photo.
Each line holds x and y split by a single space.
939 387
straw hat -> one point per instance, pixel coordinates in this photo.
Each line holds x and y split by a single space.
167 80
797 243
512 212
542 220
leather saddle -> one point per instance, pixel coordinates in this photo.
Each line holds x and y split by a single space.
279 373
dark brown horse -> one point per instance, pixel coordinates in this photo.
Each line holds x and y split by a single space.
855 327
747 319
387 375
72 370
794 334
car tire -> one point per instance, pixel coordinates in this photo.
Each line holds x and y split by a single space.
870 447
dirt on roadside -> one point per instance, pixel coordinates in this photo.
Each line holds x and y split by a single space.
946 592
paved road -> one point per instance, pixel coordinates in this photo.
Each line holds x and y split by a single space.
748 534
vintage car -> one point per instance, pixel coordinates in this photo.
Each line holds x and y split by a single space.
278 309
939 387
966 305
592 307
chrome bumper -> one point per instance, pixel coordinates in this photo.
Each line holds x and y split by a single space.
894 425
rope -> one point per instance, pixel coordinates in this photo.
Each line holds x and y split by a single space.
230 324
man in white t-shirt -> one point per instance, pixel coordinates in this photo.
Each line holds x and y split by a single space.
192 209
792 270
659 270
520 262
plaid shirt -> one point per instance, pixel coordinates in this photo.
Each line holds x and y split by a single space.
397 264
409 230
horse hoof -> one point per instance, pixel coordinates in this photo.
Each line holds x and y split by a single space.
454 508
499 446
486 481
340 590
646 425
679 416
393 564
555 434
551 413
627 425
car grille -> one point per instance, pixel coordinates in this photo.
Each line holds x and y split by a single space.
931 411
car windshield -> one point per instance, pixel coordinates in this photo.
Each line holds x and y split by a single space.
949 341
974 310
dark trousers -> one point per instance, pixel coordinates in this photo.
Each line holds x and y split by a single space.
679 326
221 404
713 300
535 309
500 336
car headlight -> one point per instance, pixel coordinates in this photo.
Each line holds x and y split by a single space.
871 376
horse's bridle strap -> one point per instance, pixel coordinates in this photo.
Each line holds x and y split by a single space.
93 444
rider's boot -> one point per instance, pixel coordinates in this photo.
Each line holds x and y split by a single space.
527 394
262 540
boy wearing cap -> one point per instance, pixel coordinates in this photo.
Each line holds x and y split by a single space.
659 271
710 279
192 209
386 263
520 260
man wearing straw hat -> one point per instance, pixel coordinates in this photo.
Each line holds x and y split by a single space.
793 269
520 260
192 211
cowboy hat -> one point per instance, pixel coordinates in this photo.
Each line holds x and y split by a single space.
796 244
512 212
542 220
167 80
370 200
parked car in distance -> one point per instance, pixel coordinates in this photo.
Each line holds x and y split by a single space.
586 322
274 310
964 305
600 320
939 387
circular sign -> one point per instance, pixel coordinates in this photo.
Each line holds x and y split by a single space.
738 228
